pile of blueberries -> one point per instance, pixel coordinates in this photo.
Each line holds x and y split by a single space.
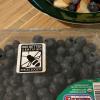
68 61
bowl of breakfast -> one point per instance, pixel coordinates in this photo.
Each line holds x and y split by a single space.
74 11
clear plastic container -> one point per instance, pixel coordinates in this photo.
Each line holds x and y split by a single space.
28 89
7 36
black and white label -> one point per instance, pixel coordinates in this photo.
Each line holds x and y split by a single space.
31 58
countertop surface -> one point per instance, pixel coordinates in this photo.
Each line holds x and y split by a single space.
21 14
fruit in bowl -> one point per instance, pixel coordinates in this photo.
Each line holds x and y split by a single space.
73 11
80 6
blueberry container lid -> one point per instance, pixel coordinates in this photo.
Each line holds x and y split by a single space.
26 34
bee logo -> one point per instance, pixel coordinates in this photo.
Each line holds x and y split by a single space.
31 58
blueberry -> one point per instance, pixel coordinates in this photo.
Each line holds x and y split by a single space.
27 78
65 64
56 68
42 92
69 59
6 82
59 58
61 43
59 79
19 92
8 63
91 57
75 1
40 81
81 41
90 47
72 7
86 50
69 42
78 58
50 42
37 39
16 43
29 88
6 74
72 51
9 90
61 50
8 47
50 53
15 81
10 53
68 72
93 7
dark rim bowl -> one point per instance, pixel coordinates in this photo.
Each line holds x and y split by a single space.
66 16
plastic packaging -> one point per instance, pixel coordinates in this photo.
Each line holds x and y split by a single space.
7 36
37 86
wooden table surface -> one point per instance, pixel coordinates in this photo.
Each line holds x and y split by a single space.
21 14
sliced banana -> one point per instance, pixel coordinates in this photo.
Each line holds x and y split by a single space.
83 6
61 3
68 1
